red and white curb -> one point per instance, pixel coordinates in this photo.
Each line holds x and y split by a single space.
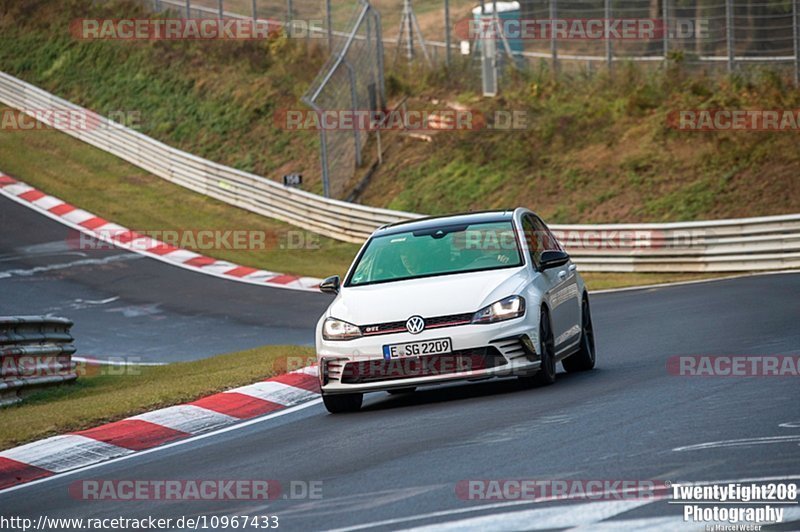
121 237
66 452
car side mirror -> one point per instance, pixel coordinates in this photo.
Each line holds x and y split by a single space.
552 259
330 285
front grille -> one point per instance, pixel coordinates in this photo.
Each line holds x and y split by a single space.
430 323
464 360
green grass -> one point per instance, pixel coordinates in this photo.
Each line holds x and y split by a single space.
596 148
96 398
215 99
113 189
124 194
606 280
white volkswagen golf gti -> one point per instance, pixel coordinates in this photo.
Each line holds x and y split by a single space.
462 297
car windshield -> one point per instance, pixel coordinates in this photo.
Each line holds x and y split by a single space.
437 251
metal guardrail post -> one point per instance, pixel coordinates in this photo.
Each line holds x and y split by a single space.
255 11
289 13
188 8
220 9
729 34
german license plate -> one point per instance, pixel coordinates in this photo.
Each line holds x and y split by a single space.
437 346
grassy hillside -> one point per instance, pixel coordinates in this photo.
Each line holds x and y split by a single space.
596 149
216 99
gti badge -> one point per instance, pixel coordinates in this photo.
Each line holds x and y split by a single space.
415 324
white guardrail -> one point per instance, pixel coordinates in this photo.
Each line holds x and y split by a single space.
767 243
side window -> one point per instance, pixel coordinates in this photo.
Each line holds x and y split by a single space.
532 239
538 238
551 243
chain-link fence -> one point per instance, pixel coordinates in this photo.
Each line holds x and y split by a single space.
724 33
352 80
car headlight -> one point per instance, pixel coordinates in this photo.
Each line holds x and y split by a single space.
505 309
333 329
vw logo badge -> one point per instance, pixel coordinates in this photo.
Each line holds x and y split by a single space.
415 324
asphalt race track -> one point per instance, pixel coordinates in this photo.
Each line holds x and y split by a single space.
396 464
125 305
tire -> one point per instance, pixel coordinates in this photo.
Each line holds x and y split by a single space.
337 404
547 371
584 359
402 391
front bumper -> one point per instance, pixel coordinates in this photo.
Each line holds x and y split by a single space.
479 351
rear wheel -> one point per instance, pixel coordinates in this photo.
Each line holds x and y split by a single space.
337 404
584 359
547 370
401 391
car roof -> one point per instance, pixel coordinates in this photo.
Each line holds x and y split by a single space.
441 221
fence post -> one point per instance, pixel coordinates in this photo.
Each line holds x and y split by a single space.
609 49
553 42
354 106
323 155
409 30
188 8
255 11
447 31
289 15
379 59
330 23
665 26
729 33
796 19
221 10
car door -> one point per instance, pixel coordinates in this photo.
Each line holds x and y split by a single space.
562 294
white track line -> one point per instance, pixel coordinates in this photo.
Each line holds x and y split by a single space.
538 518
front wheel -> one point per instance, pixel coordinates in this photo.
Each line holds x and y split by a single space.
584 359
337 404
